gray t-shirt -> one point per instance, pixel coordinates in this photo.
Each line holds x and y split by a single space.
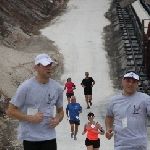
130 120
43 97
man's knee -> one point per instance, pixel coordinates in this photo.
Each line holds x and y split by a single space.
86 96
90 97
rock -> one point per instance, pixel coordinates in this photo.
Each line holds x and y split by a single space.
20 43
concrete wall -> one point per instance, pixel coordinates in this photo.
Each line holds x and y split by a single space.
147 1
124 3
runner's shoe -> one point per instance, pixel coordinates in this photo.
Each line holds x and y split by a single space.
90 103
75 138
72 135
88 107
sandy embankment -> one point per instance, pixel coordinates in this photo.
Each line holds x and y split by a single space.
17 64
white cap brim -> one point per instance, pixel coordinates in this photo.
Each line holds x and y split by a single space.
43 59
131 75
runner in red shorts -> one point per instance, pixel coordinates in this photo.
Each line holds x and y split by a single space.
70 86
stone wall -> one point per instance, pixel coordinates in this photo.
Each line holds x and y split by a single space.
147 1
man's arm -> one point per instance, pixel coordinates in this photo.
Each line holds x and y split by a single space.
93 82
80 109
58 117
73 86
84 131
59 114
14 112
67 112
64 88
82 83
109 126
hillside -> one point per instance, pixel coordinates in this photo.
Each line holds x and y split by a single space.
20 42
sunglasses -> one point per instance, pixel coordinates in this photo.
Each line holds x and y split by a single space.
91 116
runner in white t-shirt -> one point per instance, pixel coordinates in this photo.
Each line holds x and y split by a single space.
127 116
33 105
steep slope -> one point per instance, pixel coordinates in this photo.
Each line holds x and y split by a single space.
20 42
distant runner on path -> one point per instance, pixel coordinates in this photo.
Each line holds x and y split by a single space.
74 110
70 87
92 128
87 84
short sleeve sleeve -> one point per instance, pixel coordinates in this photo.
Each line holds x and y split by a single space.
109 111
148 105
19 98
59 102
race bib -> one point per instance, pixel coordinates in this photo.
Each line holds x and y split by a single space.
124 122
32 111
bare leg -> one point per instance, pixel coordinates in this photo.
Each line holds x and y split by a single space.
76 129
86 99
72 128
90 99
68 98
90 147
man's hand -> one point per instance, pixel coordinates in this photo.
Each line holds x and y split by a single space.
53 122
83 132
83 86
73 88
109 134
37 118
67 116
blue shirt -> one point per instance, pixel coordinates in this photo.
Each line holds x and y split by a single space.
74 109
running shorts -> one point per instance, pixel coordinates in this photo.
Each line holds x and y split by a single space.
40 145
88 91
94 143
74 122
69 95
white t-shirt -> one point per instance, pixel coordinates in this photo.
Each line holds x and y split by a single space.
32 95
130 120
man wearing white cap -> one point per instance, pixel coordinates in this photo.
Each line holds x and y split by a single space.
33 105
126 116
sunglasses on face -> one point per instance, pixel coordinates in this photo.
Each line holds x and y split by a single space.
91 116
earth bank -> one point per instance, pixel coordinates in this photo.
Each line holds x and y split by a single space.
20 42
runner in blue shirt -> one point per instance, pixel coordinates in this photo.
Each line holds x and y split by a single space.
74 110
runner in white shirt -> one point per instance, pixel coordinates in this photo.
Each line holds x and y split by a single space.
127 116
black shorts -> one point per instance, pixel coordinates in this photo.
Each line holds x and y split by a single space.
40 145
69 95
88 91
74 122
95 143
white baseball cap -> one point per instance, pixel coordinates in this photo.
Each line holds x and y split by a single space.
43 59
131 75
